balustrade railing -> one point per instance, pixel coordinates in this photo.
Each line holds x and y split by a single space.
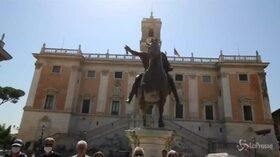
172 59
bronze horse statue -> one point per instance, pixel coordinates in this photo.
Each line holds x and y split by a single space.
154 86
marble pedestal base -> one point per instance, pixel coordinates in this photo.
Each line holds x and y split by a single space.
152 140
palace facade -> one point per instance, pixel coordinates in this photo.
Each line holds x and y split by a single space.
76 95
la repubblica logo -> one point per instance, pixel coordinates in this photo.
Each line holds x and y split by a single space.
243 145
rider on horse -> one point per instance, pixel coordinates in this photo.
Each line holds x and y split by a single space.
144 56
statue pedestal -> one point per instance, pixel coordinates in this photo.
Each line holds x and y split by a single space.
152 140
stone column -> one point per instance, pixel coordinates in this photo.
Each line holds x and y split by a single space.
34 84
193 97
102 92
226 97
72 87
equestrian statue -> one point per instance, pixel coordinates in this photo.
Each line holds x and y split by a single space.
155 84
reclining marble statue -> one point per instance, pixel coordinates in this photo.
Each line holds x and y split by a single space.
155 84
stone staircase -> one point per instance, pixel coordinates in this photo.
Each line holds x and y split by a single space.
110 138
188 142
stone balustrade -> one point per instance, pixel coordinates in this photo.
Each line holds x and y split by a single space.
172 59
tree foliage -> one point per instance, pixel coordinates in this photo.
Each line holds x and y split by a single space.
5 136
10 94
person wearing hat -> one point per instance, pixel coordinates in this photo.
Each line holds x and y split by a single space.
138 152
98 154
16 149
48 148
172 153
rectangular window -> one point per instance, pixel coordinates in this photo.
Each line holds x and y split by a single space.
86 106
178 77
150 110
209 112
49 103
118 75
179 111
115 108
207 79
247 113
243 77
91 74
56 69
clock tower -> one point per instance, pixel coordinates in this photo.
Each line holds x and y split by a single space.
150 28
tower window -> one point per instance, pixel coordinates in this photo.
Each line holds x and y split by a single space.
118 75
86 106
247 111
209 112
178 77
56 69
115 108
243 77
49 103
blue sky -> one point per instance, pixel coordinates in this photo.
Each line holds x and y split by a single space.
203 27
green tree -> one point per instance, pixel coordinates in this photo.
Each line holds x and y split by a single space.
10 94
5 136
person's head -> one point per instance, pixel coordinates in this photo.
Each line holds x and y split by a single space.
172 153
49 144
16 146
180 155
98 154
81 147
164 153
138 152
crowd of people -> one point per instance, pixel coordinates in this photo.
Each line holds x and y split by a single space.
81 148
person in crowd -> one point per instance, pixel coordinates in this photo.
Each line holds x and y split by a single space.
138 152
164 153
81 147
98 154
16 149
172 153
48 148
181 155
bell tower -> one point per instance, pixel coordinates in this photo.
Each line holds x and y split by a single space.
150 28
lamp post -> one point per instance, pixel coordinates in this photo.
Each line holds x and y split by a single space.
43 127
85 135
254 142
